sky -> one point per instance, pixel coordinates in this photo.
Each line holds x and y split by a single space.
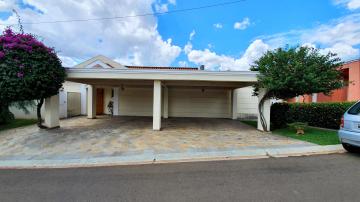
223 38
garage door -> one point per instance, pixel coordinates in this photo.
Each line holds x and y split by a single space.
214 103
136 102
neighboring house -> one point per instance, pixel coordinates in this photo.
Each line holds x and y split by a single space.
160 92
351 71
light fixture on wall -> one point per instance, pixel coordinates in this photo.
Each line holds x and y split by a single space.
122 87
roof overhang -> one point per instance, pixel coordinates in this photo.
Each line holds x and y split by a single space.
185 78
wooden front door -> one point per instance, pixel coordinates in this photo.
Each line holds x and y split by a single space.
99 101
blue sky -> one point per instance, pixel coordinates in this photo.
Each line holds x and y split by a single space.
228 37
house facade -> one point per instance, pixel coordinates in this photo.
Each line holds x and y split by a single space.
159 92
351 72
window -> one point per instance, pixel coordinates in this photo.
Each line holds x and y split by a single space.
355 109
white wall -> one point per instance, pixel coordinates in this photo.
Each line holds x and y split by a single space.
136 101
247 104
196 102
67 87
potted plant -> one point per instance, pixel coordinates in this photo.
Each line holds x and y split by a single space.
299 127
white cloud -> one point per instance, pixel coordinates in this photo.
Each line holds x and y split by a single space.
7 5
161 8
242 24
212 60
188 47
341 36
131 41
173 2
218 25
191 35
344 51
350 4
183 63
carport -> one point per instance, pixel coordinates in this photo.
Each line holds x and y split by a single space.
159 92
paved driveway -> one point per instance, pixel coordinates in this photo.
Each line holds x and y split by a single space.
86 138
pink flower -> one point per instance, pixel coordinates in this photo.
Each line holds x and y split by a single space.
20 74
2 55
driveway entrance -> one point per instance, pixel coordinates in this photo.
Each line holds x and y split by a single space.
118 136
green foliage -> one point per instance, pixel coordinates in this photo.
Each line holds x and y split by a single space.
287 73
324 115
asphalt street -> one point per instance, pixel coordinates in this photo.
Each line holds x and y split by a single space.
315 178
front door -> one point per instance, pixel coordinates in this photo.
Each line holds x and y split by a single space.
99 101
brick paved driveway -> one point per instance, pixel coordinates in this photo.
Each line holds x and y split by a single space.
86 138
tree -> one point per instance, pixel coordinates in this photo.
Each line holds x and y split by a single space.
28 70
291 72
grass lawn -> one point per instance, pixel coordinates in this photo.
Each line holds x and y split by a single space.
17 123
313 135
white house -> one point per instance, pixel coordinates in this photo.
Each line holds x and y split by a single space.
160 92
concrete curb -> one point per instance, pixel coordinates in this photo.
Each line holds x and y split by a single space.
151 158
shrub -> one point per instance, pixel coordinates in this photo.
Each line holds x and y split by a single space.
324 115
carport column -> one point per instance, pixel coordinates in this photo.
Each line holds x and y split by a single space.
266 111
234 104
91 102
166 103
157 105
52 112
116 101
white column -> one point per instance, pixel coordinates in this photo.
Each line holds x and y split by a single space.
91 102
157 105
234 104
52 112
116 101
166 103
83 98
266 111
314 97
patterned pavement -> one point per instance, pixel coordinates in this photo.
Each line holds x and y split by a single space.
119 136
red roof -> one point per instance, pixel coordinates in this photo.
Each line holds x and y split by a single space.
163 68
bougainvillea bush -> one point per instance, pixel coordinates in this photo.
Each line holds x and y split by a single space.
29 70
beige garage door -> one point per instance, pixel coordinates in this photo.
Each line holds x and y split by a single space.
213 103
136 102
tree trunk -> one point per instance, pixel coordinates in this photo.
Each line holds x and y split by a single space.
38 111
261 113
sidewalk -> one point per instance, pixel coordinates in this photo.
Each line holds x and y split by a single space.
149 157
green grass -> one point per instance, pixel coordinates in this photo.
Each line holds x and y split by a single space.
17 123
250 122
313 135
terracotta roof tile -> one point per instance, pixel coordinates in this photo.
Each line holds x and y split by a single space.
163 68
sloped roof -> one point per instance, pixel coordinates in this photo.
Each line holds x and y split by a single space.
111 63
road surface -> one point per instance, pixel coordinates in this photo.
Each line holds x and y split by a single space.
316 178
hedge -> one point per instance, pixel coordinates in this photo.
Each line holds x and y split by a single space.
324 115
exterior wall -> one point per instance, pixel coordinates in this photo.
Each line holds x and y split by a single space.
136 102
213 103
73 104
32 113
338 95
246 103
354 78
68 87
